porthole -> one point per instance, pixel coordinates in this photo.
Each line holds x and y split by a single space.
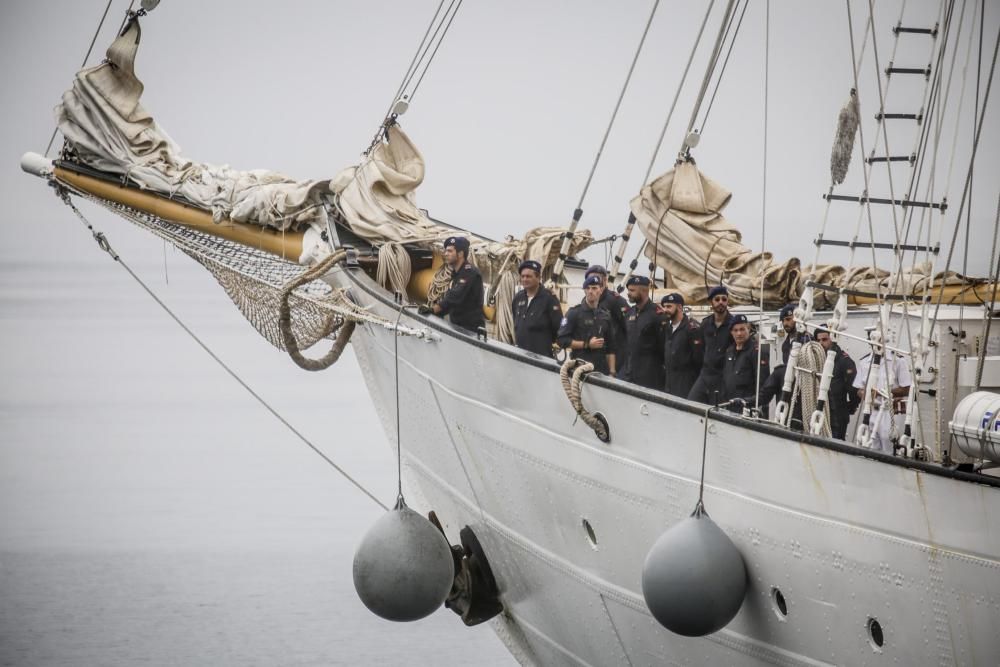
875 635
779 604
591 535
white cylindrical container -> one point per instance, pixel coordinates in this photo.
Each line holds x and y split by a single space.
976 427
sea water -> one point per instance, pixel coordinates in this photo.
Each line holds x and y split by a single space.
152 512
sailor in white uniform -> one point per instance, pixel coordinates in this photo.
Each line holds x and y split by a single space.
892 384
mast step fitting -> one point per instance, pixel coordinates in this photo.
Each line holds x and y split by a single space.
919 117
942 206
936 248
911 158
890 70
916 31
868 295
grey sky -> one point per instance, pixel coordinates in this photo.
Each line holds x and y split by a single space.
510 116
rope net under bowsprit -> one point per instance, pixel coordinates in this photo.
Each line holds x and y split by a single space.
253 280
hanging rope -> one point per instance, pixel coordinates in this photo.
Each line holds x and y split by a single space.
285 319
808 373
573 386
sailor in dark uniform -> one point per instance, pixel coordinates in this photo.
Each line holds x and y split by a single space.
683 347
537 312
616 306
463 302
715 331
740 366
587 330
644 330
843 398
787 317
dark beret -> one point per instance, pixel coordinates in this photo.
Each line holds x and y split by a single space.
717 290
459 242
740 318
637 280
786 310
591 280
530 264
596 268
673 297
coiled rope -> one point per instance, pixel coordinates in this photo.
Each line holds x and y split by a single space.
573 386
808 373
285 319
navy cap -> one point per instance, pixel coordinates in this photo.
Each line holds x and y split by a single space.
716 291
591 280
596 268
786 310
642 281
530 264
740 318
673 297
459 242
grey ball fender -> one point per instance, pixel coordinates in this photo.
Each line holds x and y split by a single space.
694 579
403 569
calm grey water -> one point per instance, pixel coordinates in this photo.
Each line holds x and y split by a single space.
151 512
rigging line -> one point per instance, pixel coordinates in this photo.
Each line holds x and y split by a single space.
988 310
763 196
968 219
90 48
968 178
709 70
437 46
722 70
409 70
659 142
677 93
102 241
866 175
618 104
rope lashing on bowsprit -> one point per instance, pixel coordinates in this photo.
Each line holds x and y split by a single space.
346 328
573 386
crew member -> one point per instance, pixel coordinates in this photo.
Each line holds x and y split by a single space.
740 368
715 331
616 306
463 302
644 329
537 312
683 347
843 398
587 330
787 317
888 389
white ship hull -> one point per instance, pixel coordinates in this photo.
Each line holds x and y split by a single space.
489 440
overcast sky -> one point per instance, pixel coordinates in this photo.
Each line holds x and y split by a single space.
512 111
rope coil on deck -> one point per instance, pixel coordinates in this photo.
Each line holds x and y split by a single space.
573 386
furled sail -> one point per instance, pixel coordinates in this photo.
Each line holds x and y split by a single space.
108 129
680 214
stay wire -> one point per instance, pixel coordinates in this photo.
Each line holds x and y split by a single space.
722 70
93 40
621 96
437 46
105 245
763 196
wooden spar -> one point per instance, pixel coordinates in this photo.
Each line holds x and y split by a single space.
287 245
